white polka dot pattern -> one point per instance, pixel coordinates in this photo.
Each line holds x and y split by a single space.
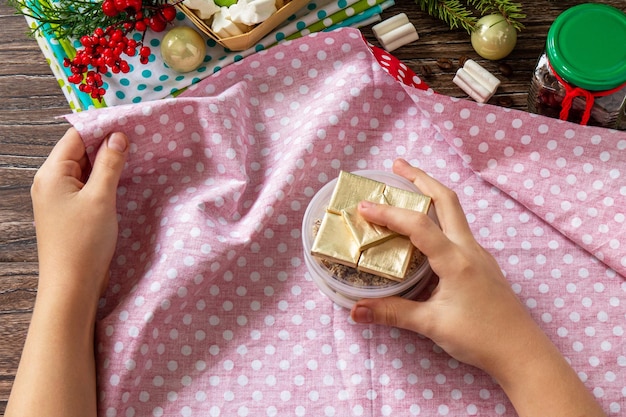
210 310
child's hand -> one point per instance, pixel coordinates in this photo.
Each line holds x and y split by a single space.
75 215
473 314
76 223
473 306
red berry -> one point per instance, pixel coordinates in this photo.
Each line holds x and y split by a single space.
144 51
116 36
169 13
85 40
120 5
140 26
135 5
157 23
109 9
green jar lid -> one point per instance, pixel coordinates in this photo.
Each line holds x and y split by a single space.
586 46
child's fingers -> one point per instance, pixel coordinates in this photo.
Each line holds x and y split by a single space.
449 211
420 228
395 312
108 165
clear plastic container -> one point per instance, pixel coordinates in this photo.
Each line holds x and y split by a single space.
581 76
343 292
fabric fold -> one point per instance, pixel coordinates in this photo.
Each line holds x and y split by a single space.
568 175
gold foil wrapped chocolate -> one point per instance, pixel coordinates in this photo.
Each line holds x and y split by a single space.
345 237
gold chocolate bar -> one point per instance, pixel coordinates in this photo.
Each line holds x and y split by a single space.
365 233
390 259
398 197
351 189
345 237
335 243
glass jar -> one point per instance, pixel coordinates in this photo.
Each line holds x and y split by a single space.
581 75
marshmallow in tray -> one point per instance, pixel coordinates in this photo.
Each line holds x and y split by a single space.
204 9
395 32
234 19
223 25
252 12
476 81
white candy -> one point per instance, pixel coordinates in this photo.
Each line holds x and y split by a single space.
204 9
224 27
476 81
395 32
252 12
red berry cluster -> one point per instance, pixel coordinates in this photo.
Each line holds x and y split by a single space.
102 51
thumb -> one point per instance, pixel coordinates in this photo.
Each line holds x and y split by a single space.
109 163
391 311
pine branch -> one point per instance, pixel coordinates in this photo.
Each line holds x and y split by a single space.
452 12
459 15
511 11
66 18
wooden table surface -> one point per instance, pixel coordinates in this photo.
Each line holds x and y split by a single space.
31 101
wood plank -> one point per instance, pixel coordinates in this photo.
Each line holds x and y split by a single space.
18 284
18 289
17 231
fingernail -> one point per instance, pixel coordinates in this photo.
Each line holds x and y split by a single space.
365 204
363 315
117 142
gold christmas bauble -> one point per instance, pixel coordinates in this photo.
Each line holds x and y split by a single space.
493 38
183 49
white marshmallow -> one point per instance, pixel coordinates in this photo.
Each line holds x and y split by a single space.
395 32
223 26
390 24
204 9
476 81
252 12
486 78
396 42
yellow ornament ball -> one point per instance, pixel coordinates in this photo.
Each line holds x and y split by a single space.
493 37
183 49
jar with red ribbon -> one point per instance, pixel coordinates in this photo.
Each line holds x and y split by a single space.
581 76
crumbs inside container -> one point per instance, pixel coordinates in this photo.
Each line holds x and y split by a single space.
355 278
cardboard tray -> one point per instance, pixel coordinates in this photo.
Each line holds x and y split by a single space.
246 40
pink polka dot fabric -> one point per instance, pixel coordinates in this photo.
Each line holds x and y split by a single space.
211 311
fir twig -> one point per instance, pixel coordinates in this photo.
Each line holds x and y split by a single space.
461 15
452 12
511 11
64 19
